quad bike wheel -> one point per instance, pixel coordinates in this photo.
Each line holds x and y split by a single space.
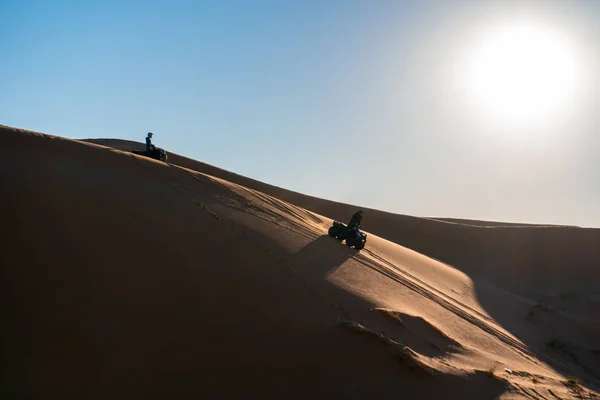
333 232
350 241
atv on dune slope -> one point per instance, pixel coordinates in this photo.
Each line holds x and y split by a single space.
156 153
353 236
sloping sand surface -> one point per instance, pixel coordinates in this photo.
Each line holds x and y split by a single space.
512 254
124 277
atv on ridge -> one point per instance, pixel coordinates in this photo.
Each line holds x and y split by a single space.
156 153
353 236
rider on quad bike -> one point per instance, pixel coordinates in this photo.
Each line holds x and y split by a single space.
355 220
151 150
149 145
350 233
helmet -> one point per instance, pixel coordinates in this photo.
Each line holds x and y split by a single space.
150 134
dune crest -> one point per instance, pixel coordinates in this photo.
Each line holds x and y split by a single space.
124 276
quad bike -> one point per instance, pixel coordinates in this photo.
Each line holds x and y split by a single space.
353 236
156 153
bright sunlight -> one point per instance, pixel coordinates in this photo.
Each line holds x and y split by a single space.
523 75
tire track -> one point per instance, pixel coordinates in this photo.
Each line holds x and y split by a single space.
379 264
392 271
431 288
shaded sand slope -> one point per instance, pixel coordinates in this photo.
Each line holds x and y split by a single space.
539 282
123 277
127 277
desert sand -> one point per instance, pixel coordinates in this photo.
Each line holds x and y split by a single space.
125 277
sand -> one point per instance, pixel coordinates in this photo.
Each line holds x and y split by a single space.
125 277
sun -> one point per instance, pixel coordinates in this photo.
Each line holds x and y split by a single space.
522 74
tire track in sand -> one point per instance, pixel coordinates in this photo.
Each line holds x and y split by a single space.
475 318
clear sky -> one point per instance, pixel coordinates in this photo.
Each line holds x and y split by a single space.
483 110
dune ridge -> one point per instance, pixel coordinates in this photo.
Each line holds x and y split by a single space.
126 276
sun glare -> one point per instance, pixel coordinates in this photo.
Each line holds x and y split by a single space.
521 75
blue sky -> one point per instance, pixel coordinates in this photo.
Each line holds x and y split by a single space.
356 101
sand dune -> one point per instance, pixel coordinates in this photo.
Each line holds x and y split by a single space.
513 254
125 277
